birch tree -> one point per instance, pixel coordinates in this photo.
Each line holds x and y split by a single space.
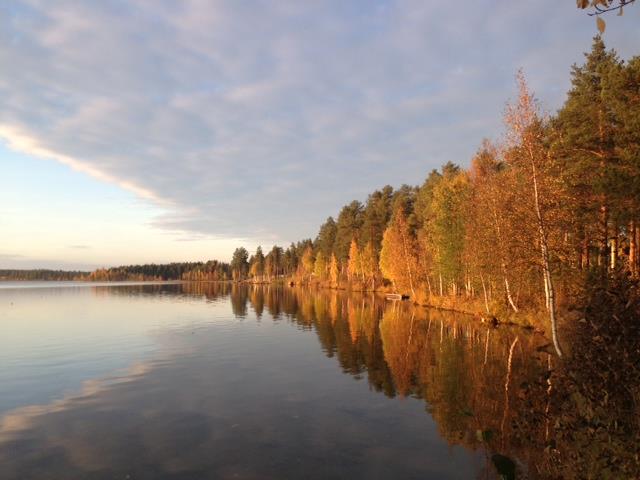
525 134
398 257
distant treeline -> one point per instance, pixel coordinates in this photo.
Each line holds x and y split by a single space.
553 205
42 274
193 271
196 271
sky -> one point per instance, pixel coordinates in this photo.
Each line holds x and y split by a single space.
136 131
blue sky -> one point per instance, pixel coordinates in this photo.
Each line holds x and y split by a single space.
136 131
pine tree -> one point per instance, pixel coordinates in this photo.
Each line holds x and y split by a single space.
622 91
326 237
369 263
257 264
586 125
348 227
239 263
320 266
448 225
376 216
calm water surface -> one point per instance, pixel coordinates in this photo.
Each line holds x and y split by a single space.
199 381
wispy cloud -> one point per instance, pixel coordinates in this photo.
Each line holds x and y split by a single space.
258 119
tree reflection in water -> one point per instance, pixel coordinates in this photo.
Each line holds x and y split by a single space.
495 392
493 389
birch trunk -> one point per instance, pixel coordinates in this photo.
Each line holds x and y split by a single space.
484 290
503 263
637 249
613 256
632 247
508 289
584 257
407 260
544 250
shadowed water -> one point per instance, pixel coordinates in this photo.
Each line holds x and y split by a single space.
197 381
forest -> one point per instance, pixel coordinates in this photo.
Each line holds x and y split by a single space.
211 270
41 274
547 210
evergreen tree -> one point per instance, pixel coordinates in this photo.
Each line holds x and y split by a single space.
348 227
369 263
587 132
274 261
326 237
239 263
376 216
290 259
623 92
447 225
257 264
320 266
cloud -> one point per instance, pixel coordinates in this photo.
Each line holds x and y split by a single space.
260 119
79 247
22 142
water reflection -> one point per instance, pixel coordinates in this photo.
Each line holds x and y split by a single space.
254 398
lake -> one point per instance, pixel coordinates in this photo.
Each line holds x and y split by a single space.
201 380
